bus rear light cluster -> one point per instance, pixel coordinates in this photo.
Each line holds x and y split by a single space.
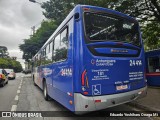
86 9
71 102
85 93
70 94
84 79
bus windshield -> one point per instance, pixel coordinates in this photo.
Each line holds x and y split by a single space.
104 27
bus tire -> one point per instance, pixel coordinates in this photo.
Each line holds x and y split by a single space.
45 91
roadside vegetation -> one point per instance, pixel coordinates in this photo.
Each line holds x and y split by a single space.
11 64
7 62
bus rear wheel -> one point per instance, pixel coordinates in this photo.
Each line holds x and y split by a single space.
34 81
45 91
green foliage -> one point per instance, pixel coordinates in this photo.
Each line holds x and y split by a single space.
32 45
146 12
151 35
3 51
57 9
11 64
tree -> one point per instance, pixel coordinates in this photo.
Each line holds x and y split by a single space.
146 12
3 51
10 64
57 9
151 35
32 45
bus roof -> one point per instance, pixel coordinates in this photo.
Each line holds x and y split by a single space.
109 11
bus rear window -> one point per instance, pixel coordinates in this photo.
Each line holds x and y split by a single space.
103 27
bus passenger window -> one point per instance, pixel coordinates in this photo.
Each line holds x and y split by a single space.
39 59
43 56
36 60
56 55
49 53
64 44
154 64
61 46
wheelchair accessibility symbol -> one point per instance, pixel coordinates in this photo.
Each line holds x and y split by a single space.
96 89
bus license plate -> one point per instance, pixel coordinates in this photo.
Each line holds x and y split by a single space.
122 87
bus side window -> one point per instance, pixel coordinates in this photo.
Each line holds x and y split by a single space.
61 46
36 60
49 53
56 51
43 56
154 64
64 44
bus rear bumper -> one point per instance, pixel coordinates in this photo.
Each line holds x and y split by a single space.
84 104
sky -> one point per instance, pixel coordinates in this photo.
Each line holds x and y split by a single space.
16 19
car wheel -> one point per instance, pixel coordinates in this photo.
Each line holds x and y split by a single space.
3 84
45 91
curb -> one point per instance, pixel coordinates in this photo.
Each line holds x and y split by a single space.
143 107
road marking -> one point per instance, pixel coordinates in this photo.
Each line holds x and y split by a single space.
16 98
18 91
14 108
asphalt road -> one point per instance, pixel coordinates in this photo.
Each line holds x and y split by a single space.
22 95
8 93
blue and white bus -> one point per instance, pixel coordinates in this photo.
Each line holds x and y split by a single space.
94 60
153 67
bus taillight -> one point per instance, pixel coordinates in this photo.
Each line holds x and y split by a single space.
86 9
83 77
85 93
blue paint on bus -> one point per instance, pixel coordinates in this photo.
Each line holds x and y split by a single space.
153 67
88 60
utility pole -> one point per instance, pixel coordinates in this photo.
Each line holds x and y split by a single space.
33 30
